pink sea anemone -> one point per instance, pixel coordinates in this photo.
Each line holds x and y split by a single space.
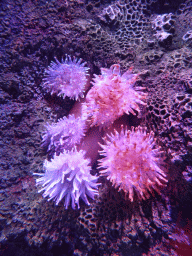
131 161
112 95
64 134
66 78
68 176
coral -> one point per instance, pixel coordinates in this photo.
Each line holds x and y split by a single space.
132 162
68 176
123 28
188 36
111 15
169 114
164 22
64 134
117 225
66 78
129 20
163 25
152 56
184 19
177 59
112 95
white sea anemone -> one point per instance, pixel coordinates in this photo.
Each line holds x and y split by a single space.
68 176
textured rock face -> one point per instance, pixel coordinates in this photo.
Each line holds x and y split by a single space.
101 33
169 115
113 223
163 26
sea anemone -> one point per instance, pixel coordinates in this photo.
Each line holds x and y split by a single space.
66 78
68 176
112 95
131 161
64 134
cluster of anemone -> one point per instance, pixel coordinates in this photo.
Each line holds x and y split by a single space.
130 159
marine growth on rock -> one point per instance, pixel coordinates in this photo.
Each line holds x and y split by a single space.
130 159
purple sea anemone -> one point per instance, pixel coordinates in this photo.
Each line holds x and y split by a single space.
64 134
68 176
66 78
